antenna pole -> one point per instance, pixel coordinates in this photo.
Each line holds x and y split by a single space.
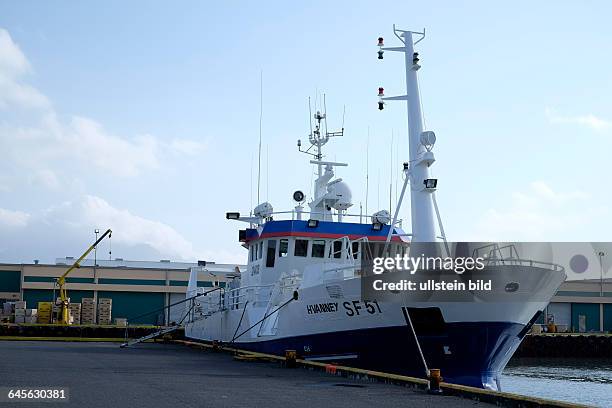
310 115
367 171
325 113
391 175
260 120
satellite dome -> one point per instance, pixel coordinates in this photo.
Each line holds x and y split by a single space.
382 217
263 210
342 192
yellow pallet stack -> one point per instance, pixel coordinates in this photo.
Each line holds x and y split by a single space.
105 311
88 311
44 312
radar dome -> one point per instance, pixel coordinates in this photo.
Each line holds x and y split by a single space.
382 217
263 210
342 192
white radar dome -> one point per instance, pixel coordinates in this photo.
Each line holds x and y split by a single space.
382 217
342 192
263 210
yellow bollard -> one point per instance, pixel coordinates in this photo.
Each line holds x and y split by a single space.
290 357
434 381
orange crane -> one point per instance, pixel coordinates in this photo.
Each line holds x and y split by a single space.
64 301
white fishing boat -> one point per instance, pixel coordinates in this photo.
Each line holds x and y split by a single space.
302 287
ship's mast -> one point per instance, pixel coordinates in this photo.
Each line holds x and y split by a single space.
318 137
421 143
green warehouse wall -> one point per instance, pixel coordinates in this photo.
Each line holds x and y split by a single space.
33 296
132 304
591 311
607 312
10 281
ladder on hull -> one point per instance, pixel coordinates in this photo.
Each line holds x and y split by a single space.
166 329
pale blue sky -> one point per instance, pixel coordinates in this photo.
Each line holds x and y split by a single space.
143 117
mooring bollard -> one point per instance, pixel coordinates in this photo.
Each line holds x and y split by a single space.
330 369
290 357
434 381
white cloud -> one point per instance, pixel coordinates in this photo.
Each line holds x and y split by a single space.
188 147
10 218
542 214
131 229
588 120
12 61
41 147
65 229
88 140
13 65
46 178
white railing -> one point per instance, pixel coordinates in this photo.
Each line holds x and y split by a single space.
255 294
210 303
494 254
362 218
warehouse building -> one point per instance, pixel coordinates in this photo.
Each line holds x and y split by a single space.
583 306
135 287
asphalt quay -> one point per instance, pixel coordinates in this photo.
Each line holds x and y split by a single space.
170 375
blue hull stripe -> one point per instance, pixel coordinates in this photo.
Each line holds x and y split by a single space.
325 229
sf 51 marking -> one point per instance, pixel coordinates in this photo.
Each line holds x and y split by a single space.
359 307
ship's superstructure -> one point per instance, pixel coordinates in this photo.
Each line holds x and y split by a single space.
301 289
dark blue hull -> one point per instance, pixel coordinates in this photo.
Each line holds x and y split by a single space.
471 353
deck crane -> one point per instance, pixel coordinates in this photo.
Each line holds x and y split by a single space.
61 281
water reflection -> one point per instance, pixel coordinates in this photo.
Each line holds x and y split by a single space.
586 381
591 370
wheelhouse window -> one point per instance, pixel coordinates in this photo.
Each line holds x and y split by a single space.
301 247
283 248
260 250
318 248
271 253
337 248
355 249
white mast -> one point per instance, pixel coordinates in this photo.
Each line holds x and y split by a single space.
420 142
323 200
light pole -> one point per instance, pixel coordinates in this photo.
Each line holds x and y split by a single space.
601 254
96 231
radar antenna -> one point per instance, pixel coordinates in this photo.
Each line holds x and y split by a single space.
318 137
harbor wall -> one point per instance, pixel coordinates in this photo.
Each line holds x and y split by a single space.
565 345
